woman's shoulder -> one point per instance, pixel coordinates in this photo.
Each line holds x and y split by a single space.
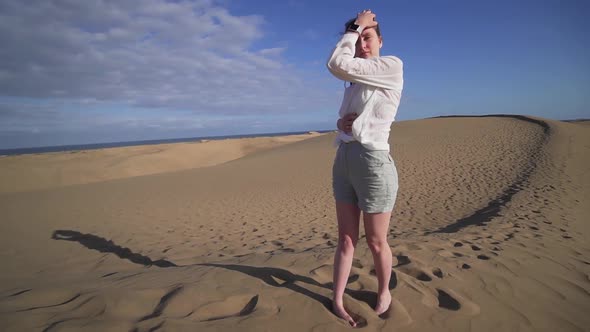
392 58
390 64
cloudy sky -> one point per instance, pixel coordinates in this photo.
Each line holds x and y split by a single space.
77 72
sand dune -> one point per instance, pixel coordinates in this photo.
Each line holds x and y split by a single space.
49 170
489 233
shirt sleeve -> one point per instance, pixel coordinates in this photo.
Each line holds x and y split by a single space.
382 72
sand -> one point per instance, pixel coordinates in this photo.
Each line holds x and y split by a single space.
489 233
49 170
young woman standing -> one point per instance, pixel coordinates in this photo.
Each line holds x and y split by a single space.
364 174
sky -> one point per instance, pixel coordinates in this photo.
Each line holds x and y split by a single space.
80 72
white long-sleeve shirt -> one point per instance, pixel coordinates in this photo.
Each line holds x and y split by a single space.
374 96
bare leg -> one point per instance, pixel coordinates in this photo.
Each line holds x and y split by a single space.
348 232
376 227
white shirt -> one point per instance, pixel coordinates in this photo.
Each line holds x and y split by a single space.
374 96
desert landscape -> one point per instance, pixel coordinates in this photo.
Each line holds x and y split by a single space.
489 233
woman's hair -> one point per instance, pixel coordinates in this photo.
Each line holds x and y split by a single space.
349 22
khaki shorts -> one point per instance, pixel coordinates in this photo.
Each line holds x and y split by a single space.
364 177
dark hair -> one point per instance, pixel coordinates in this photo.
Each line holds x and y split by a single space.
351 21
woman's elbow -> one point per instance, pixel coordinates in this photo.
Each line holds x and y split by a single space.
333 69
331 65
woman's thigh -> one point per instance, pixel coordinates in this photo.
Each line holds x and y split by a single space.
348 216
376 226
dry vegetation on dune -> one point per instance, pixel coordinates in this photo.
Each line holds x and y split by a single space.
489 233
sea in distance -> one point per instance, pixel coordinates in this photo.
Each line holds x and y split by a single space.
94 146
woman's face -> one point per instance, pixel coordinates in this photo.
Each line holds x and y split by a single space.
368 44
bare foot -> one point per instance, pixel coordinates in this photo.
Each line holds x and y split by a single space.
383 303
341 312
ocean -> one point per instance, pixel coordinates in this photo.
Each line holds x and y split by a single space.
80 147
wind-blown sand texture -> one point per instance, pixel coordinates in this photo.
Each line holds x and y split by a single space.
489 233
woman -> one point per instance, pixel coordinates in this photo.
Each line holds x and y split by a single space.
364 175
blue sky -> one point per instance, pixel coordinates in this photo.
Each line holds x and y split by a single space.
89 72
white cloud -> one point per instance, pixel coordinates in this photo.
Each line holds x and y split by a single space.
153 53
275 51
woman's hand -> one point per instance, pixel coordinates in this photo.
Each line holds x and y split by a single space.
345 123
366 18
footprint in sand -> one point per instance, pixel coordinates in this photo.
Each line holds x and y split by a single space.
446 301
406 266
451 300
357 263
416 273
234 306
392 279
449 254
402 260
397 311
437 272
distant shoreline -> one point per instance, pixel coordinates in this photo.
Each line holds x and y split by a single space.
95 146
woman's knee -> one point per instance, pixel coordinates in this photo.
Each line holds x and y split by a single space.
377 244
347 242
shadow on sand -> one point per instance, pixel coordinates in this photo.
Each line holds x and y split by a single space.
107 246
282 278
271 276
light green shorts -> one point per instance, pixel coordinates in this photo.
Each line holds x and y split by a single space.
364 177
